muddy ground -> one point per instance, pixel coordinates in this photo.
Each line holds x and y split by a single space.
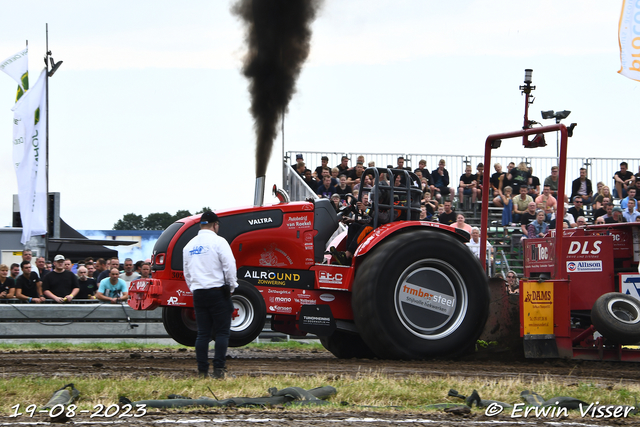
180 364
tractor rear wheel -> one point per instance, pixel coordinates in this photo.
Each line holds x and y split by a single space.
346 345
420 294
617 317
250 316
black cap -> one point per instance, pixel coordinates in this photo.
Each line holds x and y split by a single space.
208 218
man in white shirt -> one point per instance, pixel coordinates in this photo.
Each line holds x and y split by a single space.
210 272
474 243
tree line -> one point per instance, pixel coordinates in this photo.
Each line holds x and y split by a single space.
153 221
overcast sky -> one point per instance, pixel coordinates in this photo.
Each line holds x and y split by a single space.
149 112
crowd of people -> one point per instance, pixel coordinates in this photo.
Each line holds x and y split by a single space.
62 281
527 202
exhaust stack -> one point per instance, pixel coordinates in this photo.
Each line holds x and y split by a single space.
258 197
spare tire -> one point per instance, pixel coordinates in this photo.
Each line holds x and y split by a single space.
617 317
420 294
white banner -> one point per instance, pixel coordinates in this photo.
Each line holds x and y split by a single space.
30 150
17 66
629 39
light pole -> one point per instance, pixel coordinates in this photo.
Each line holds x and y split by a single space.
558 115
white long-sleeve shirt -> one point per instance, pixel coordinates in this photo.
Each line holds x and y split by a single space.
208 262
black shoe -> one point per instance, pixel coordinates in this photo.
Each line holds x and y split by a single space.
339 256
203 375
219 373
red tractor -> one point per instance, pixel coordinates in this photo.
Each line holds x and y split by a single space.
413 289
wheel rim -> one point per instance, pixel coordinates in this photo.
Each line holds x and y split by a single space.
431 299
624 311
245 313
189 318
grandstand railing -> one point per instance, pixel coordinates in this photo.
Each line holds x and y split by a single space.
598 169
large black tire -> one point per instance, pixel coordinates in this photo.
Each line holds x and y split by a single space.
420 294
180 323
617 317
345 345
252 314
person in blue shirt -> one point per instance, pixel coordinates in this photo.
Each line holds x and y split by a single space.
113 289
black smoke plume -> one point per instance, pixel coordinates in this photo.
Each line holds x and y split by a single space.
278 38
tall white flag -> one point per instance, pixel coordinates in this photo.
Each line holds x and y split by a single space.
30 136
629 39
17 66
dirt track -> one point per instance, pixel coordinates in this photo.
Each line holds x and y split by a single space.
181 364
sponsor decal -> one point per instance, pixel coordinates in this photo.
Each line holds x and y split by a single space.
199 250
334 279
585 249
270 257
327 297
298 221
257 221
584 266
174 301
280 309
183 293
277 291
279 299
258 276
538 297
629 284
307 207
428 299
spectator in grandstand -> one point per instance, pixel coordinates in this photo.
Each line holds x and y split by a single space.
631 195
539 227
552 181
527 218
534 186
599 220
474 243
507 203
623 180
112 263
631 213
581 222
14 271
41 267
608 211
513 286
129 275
335 173
343 167
67 265
309 179
324 160
366 183
582 186
430 205
327 172
355 175
468 186
519 177
495 179
461 224
576 210
401 164
87 285
616 216
422 168
326 189
60 285
604 193
637 187
549 202
505 179
112 289
343 188
7 284
423 213
28 285
335 201
521 202
301 168
448 216
441 181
